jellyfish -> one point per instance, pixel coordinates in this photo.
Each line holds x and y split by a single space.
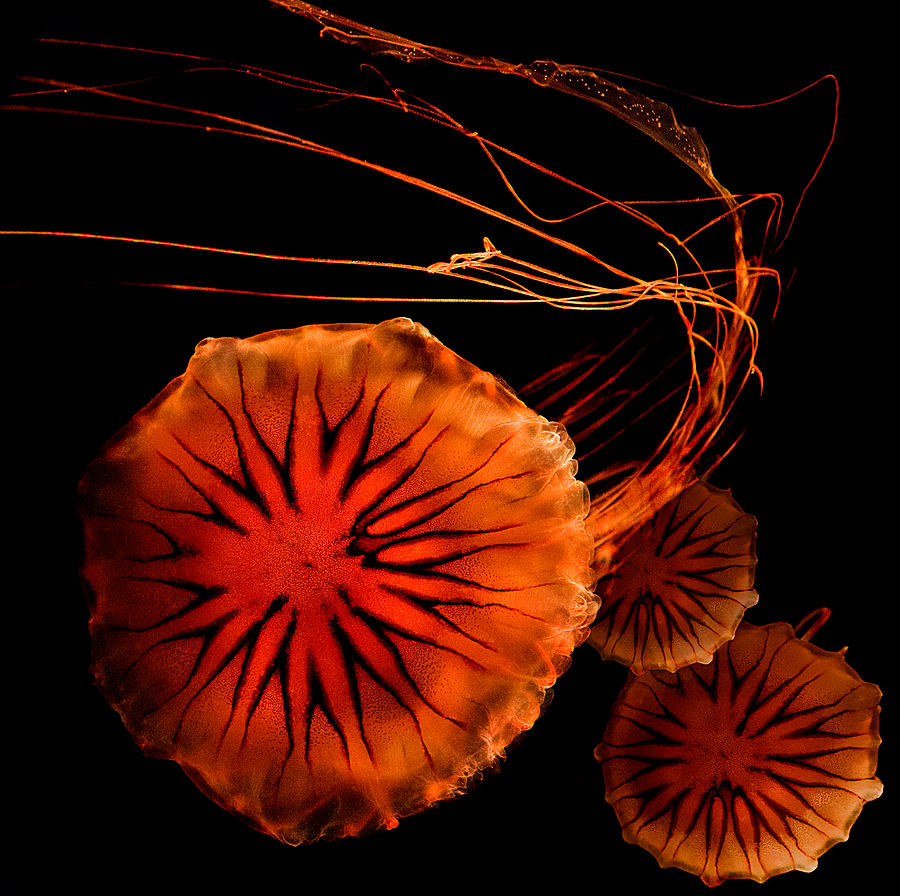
748 767
333 571
701 319
680 585
647 417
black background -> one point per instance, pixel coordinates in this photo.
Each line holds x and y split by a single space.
87 351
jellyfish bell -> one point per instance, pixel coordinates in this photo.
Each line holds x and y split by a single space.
333 572
680 584
749 767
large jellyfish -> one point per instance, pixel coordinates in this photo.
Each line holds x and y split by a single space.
333 571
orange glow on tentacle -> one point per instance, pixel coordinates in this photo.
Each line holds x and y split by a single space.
238 127
433 113
672 461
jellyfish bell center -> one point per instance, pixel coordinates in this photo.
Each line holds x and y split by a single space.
647 569
720 751
298 558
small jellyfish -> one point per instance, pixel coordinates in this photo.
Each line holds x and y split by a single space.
681 584
748 767
332 572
